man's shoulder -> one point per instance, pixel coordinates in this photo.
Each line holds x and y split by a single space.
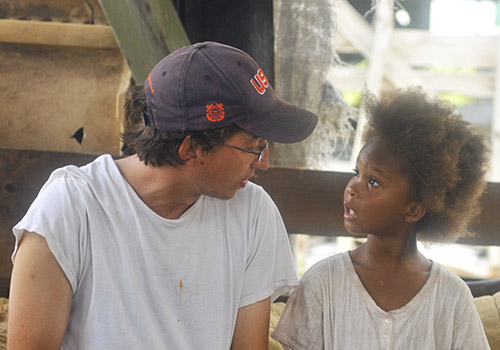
101 162
90 175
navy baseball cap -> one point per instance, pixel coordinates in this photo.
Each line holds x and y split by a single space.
210 85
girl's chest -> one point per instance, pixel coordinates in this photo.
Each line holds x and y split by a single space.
391 291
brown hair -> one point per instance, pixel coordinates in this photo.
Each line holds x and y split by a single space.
448 158
157 147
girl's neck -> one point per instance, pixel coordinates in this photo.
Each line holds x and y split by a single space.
389 253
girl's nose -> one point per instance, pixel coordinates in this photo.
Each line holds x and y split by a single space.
350 189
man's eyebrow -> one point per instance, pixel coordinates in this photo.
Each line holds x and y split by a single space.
254 137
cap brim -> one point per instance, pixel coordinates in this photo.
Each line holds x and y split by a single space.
286 123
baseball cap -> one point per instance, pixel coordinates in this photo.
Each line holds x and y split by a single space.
210 85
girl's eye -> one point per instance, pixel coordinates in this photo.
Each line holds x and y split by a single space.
374 182
355 172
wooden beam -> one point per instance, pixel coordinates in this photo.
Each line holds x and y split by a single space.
57 34
51 92
81 11
354 28
383 23
22 174
146 31
479 84
421 48
495 123
309 201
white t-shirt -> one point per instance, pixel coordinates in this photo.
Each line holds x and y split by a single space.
141 281
331 309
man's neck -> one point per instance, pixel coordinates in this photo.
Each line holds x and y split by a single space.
164 189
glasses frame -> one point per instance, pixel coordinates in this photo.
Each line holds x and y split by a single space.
258 154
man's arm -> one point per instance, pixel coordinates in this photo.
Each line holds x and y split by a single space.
40 297
252 327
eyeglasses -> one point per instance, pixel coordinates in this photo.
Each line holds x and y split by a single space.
258 154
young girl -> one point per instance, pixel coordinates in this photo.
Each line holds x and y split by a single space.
421 171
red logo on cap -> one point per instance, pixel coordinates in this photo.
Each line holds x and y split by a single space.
215 113
260 79
151 84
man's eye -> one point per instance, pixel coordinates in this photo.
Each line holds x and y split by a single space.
374 182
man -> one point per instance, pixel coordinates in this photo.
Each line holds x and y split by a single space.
172 247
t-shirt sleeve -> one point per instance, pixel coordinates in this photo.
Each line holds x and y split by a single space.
468 331
58 215
270 269
301 325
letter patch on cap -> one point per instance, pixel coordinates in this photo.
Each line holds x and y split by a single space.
260 79
215 113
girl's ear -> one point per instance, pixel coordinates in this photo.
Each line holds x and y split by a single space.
415 212
187 150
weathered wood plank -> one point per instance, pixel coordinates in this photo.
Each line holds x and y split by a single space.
146 31
57 34
353 27
50 92
309 201
421 48
74 11
383 24
22 174
495 123
478 84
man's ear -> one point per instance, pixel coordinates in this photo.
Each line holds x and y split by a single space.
415 212
187 149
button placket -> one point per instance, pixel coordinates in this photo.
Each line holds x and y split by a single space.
386 337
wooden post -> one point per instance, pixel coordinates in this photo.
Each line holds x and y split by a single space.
495 124
146 31
494 176
383 25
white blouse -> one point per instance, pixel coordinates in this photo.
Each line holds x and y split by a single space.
331 309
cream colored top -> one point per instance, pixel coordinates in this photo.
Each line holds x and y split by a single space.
331 309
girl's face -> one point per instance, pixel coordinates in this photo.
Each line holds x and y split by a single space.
377 198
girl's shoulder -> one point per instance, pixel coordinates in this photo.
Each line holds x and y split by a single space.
335 265
449 282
